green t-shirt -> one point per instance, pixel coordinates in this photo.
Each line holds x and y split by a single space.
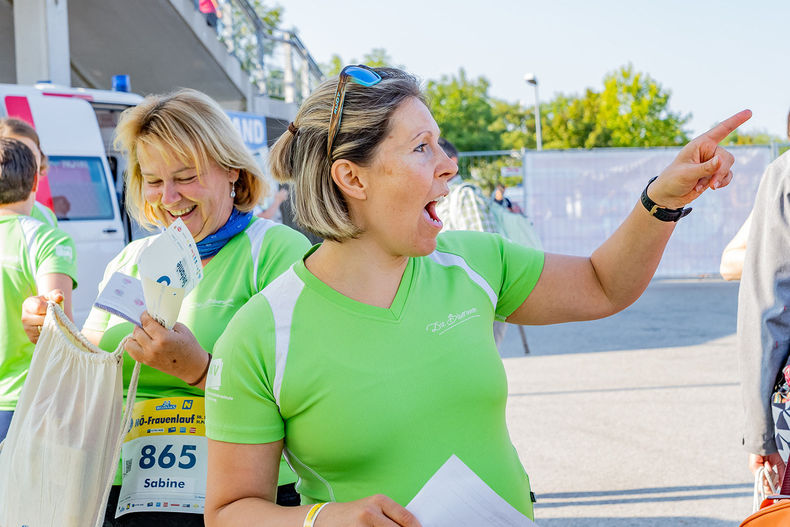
372 400
44 214
29 249
248 262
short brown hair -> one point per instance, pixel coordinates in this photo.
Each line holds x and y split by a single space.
17 171
194 127
301 156
10 126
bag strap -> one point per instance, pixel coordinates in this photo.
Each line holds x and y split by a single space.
761 477
131 395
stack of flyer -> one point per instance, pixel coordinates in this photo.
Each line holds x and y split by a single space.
169 269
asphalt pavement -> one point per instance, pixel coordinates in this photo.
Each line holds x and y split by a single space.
634 420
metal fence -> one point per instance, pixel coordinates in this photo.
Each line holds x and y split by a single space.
577 198
278 63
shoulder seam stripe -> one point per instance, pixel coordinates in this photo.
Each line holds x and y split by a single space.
454 260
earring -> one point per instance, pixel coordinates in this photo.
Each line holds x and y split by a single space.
232 190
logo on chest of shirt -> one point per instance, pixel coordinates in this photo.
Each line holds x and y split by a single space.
452 320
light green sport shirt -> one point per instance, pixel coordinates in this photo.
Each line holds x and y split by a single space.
44 214
29 249
243 267
372 400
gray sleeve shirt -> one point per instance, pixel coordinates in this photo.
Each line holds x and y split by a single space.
763 300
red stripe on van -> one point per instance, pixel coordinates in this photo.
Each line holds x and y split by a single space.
17 107
72 95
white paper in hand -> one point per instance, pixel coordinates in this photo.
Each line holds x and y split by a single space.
169 269
123 297
172 259
163 300
456 497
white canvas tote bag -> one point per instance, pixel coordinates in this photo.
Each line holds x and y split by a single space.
61 453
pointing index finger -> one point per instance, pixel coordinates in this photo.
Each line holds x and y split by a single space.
726 127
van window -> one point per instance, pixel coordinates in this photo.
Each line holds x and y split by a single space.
79 188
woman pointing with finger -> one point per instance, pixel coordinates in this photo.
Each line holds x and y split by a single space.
371 360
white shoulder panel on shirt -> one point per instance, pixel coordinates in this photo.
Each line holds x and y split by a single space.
282 295
450 260
30 228
256 233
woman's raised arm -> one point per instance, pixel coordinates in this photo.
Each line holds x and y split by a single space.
575 288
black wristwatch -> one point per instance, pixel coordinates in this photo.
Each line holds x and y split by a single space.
662 213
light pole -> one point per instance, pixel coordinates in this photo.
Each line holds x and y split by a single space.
532 79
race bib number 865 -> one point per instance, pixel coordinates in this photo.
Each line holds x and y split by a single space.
164 457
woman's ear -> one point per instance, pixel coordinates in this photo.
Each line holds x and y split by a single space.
346 176
233 175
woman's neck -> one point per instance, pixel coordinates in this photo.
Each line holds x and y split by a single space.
358 269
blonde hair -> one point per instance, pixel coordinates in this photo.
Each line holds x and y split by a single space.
301 158
193 127
11 127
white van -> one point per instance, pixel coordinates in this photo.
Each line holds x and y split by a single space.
80 186
85 178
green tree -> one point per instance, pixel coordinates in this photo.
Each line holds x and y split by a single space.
375 58
759 137
514 124
631 110
333 67
379 58
239 35
634 111
464 111
487 172
271 16
571 122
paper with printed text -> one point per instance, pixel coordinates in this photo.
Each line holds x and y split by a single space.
456 497
169 269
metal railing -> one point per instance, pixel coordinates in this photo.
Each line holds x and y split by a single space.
276 60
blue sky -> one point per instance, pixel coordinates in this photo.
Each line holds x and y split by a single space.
716 57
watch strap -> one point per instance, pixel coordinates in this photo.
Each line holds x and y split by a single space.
662 213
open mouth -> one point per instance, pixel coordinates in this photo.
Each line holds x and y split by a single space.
430 214
180 213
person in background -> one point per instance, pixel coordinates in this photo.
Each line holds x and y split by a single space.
186 160
22 131
272 212
210 9
465 208
500 199
733 255
763 314
371 361
34 257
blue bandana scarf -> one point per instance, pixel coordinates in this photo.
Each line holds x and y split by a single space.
211 244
